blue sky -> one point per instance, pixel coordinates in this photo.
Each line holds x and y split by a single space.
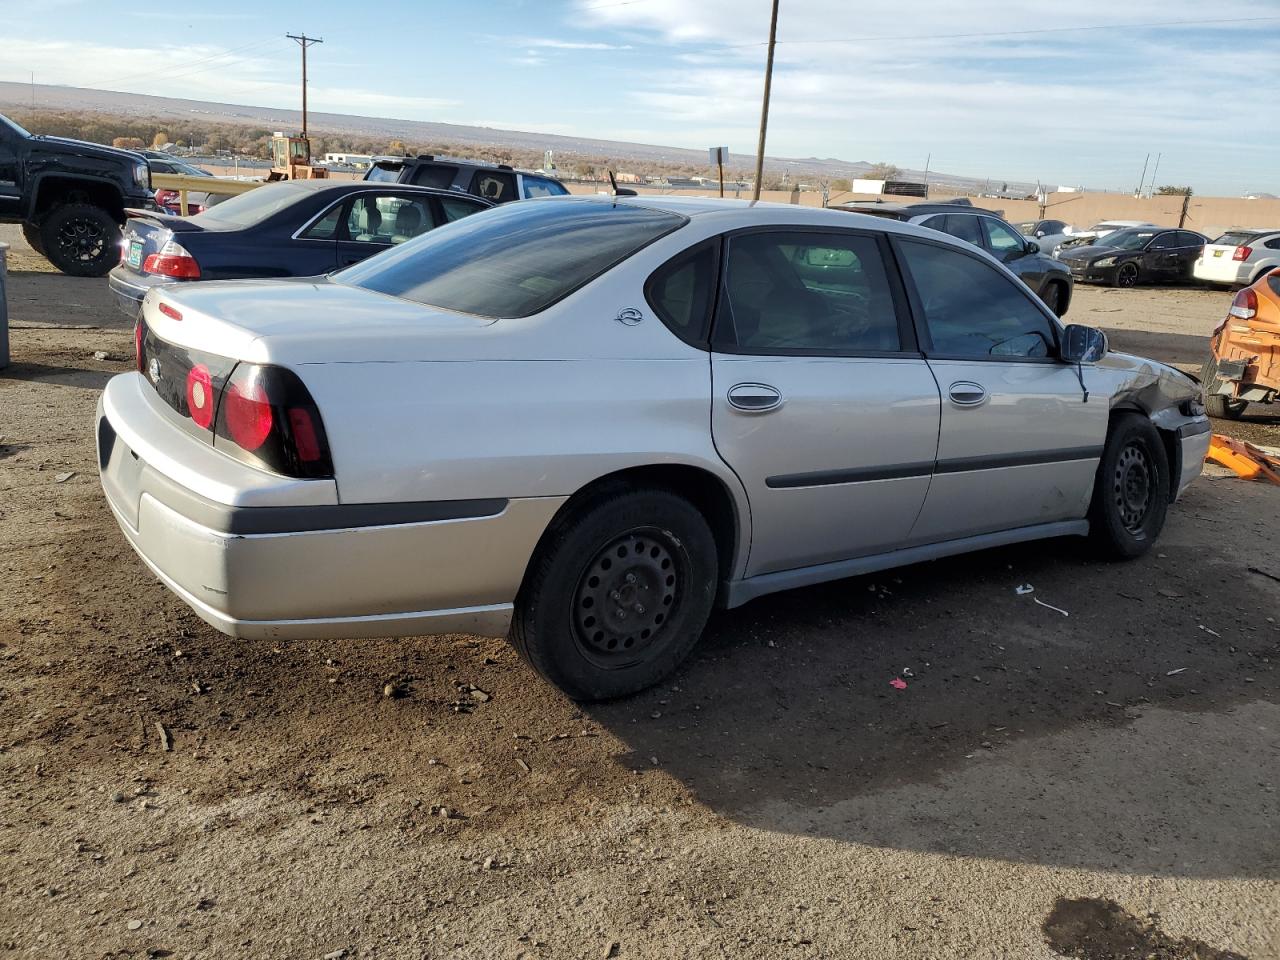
984 87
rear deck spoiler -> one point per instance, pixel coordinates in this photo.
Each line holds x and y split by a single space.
168 221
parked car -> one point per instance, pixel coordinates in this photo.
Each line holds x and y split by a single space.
589 420
69 196
1046 233
1048 278
495 182
1239 257
168 200
1244 357
298 228
1127 258
1083 238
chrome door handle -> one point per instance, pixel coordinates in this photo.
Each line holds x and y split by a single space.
754 397
966 393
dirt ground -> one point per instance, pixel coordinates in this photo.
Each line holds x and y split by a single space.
1098 785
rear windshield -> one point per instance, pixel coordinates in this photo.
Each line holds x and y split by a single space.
1237 238
255 206
386 173
515 260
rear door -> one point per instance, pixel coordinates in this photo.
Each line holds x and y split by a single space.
1160 259
1018 445
821 402
375 222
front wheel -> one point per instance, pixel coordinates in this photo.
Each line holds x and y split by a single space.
1215 404
618 594
31 234
81 240
1052 298
1127 275
1131 489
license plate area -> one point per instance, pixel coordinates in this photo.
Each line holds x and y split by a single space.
1232 369
121 472
134 256
1218 253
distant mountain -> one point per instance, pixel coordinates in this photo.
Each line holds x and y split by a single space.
19 96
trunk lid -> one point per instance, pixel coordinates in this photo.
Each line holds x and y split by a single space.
302 320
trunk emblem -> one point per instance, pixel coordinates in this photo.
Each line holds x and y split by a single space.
153 370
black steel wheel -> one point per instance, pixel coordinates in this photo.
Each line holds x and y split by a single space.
629 592
1131 489
1127 274
617 593
81 240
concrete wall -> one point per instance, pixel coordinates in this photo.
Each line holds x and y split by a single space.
1209 215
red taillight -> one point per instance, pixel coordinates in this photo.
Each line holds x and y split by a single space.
1242 253
1245 305
200 396
248 414
174 261
305 440
139 329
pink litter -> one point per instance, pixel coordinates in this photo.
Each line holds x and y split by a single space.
898 683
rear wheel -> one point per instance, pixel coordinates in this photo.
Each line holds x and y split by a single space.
1127 275
1131 490
81 240
618 594
31 234
1215 404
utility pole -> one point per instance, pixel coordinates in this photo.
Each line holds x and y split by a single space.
1151 187
1186 202
764 107
1142 179
304 41
928 158
33 90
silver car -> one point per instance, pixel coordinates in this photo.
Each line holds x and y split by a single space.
586 422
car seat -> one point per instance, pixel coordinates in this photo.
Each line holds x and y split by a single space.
408 223
372 223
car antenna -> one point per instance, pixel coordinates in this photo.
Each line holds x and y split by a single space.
613 187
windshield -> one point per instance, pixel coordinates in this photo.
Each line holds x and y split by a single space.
515 260
1130 239
190 169
255 206
1104 228
1027 229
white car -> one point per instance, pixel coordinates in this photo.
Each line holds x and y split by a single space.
1239 257
586 421
1092 235
1048 234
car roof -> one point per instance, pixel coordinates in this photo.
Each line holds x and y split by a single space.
355 186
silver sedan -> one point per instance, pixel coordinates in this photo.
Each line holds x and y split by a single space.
586 422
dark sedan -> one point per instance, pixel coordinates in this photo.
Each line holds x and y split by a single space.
1127 258
300 228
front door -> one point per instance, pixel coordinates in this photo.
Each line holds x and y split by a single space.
1018 444
820 402
10 189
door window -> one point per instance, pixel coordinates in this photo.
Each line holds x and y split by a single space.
538 187
963 228
1163 241
495 186
808 292
1004 242
388 219
434 175
326 228
682 290
457 208
1186 239
972 311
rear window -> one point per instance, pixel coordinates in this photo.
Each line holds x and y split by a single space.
1236 238
384 172
255 206
513 261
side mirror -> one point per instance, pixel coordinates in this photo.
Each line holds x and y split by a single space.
1039 234
1031 247
1082 344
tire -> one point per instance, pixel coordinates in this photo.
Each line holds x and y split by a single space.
1215 404
1131 490
81 240
31 234
581 619
1052 298
1127 275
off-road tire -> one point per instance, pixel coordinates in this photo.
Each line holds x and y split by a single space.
1215 404
81 240
655 537
1128 274
1130 490
31 233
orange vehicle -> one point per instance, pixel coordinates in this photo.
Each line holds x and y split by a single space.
1244 363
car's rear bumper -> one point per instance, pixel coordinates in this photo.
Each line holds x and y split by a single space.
1221 270
128 289
254 568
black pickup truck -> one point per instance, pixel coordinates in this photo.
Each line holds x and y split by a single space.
69 196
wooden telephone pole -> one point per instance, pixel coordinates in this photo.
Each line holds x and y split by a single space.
304 41
764 108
